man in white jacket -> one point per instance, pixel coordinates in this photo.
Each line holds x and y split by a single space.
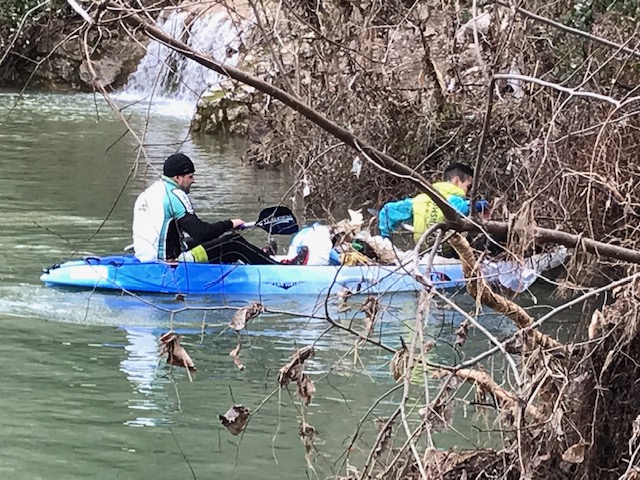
166 227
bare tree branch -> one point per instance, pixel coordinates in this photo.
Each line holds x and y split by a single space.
574 31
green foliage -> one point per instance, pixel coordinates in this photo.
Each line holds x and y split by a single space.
582 14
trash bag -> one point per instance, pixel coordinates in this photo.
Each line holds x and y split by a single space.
317 238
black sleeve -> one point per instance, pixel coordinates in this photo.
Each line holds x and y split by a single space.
203 231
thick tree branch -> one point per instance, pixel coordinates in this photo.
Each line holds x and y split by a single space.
548 235
486 384
478 288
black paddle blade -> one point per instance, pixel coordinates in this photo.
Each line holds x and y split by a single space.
278 221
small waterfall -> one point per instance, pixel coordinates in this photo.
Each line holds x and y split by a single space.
166 77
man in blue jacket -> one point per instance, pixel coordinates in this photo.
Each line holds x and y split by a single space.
421 211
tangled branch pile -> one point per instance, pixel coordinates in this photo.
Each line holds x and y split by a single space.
408 78
566 410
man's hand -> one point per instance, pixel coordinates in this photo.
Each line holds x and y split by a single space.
237 223
483 208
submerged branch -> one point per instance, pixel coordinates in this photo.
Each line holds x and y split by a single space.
478 288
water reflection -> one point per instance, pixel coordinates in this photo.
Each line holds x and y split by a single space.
267 344
142 369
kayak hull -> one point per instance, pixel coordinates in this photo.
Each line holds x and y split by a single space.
127 273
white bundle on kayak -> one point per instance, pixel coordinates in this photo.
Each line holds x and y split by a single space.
317 238
519 276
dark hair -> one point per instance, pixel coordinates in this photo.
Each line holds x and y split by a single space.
459 170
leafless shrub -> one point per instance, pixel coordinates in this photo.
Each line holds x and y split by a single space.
416 86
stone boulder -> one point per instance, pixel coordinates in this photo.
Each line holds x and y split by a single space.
226 108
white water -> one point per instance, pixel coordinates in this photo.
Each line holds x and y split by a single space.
172 83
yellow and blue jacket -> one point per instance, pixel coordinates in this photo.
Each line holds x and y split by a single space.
420 211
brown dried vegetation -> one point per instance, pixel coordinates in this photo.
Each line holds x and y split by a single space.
235 354
236 419
245 314
406 77
176 354
293 371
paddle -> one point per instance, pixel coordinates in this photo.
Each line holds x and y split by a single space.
276 221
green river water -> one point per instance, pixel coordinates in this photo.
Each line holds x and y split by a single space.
83 393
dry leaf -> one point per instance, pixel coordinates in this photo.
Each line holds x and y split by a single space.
385 430
635 431
243 315
235 419
428 346
462 333
292 371
439 415
371 309
343 306
343 297
235 354
344 293
399 362
575 453
597 320
307 435
306 389
176 354
555 422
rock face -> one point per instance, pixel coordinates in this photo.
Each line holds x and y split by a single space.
227 108
55 59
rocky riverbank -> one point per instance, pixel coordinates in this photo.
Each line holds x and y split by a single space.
47 52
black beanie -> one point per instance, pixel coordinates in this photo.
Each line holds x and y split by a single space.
178 164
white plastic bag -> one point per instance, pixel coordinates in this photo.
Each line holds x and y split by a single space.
317 238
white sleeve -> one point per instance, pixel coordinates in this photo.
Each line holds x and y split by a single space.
184 199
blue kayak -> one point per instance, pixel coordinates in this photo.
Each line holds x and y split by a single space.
125 272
